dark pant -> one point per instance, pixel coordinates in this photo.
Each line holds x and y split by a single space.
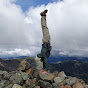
45 53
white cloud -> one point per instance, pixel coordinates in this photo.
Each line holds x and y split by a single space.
19 52
67 23
27 20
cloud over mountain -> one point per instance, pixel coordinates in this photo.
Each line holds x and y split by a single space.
66 20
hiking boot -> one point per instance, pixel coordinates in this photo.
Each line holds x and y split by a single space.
44 13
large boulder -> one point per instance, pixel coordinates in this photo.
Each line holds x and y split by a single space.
80 84
4 83
71 81
44 84
55 85
37 87
16 86
24 65
44 75
30 71
9 86
39 64
6 75
86 86
1 72
62 75
25 76
36 73
58 80
16 78
12 72
56 73
30 83
1 75
65 86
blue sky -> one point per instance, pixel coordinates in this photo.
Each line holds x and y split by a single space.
25 4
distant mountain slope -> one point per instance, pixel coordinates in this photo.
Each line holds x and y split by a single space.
12 65
10 58
54 59
72 68
9 65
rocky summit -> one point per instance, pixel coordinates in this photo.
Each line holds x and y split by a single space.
25 76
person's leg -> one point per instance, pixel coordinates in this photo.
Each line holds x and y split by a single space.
46 35
44 55
45 52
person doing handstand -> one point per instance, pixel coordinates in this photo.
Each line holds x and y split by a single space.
46 47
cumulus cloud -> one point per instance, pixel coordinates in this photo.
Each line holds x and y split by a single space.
21 32
15 33
18 52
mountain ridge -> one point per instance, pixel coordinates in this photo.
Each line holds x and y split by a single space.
70 67
26 76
